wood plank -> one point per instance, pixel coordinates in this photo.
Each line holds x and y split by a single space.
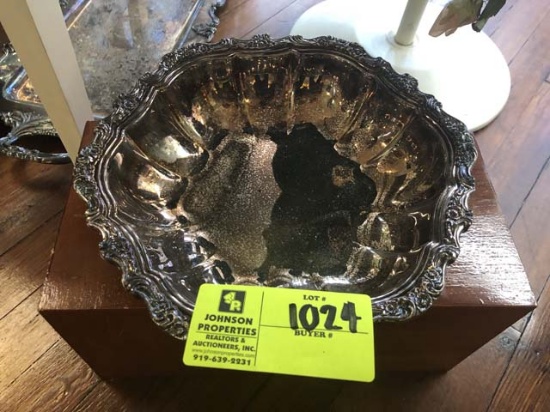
522 323
230 7
488 256
199 389
515 24
528 70
24 337
33 194
14 172
526 384
467 387
245 19
59 380
517 166
530 231
23 268
300 393
108 397
495 22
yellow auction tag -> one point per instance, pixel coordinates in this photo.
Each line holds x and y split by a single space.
289 331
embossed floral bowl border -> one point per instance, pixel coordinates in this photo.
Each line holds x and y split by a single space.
121 247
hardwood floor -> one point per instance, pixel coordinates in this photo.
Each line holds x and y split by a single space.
40 372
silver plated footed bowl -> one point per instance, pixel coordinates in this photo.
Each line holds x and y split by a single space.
285 163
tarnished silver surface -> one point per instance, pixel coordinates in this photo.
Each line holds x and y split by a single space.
115 41
207 22
24 124
291 163
119 40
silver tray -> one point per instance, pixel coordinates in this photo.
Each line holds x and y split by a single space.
284 163
115 41
119 40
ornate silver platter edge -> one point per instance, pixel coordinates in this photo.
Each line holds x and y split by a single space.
119 248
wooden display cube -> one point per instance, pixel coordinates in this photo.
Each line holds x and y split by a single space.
486 291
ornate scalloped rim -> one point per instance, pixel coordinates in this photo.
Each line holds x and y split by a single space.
208 29
28 124
416 299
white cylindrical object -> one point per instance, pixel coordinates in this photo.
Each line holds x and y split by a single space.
410 22
465 71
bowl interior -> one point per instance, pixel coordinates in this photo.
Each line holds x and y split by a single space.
283 168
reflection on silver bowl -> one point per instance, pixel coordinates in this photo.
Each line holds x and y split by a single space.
291 163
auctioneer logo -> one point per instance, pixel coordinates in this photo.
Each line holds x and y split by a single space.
232 301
